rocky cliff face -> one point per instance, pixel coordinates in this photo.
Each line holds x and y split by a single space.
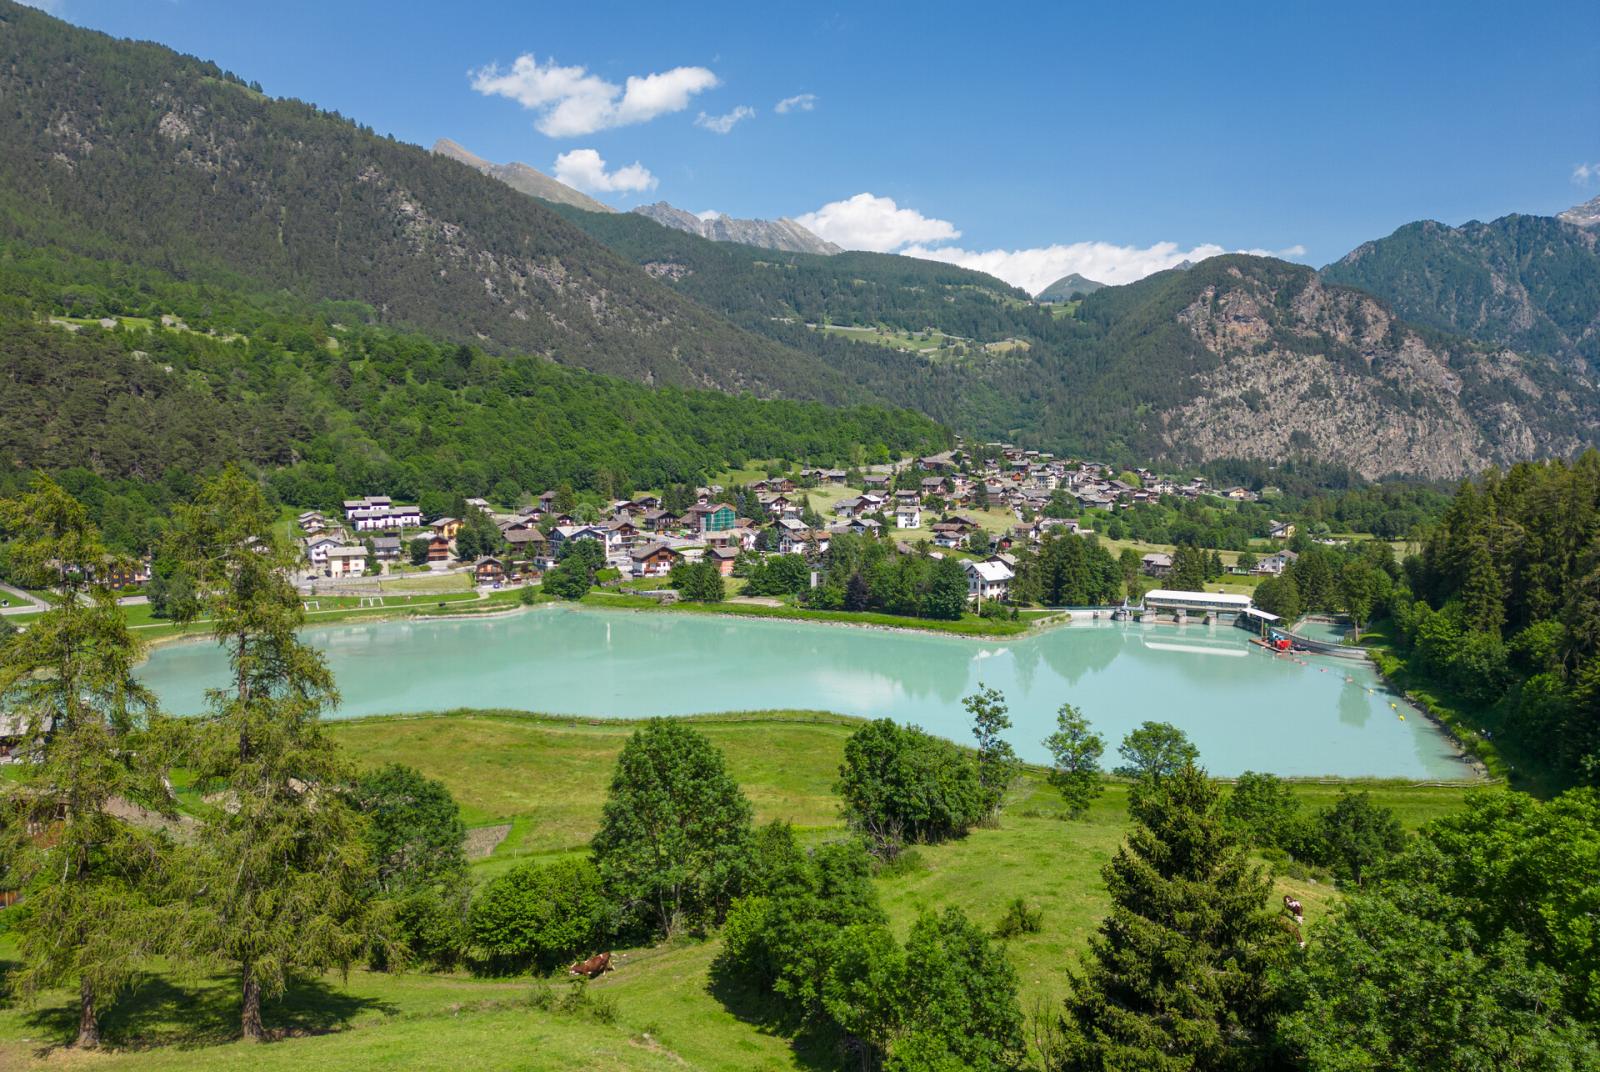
1302 368
781 234
1584 215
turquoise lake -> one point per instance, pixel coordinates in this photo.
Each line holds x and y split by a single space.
1245 708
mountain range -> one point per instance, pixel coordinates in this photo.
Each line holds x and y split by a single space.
1432 352
781 234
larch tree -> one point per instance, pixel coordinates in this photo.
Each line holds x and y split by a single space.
281 865
86 875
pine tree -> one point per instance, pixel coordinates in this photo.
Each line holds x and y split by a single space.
1177 977
281 869
86 875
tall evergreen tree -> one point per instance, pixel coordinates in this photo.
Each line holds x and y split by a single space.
85 873
282 867
1177 977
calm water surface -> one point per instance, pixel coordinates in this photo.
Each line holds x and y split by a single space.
1245 708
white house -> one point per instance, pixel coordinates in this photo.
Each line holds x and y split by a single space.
987 580
1275 563
907 514
317 548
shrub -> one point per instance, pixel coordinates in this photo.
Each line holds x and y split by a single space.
1019 918
900 784
569 579
1263 810
540 916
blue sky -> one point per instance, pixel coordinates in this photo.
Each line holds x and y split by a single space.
1110 139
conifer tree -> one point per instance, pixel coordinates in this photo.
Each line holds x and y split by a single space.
1177 977
85 874
281 866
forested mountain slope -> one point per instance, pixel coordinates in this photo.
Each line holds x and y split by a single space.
130 151
1528 282
327 406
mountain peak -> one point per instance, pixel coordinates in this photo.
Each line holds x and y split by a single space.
1068 287
521 177
782 234
1584 215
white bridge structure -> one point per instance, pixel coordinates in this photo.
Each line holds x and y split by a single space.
1181 604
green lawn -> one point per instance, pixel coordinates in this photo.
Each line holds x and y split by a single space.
548 776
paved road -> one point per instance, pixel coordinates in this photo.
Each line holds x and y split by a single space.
21 602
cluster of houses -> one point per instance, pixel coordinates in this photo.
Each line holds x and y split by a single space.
642 539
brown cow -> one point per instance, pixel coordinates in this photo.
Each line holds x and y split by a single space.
1294 907
592 968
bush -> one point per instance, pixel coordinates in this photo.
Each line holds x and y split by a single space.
1262 810
1020 918
700 582
1358 835
900 784
785 938
431 925
540 916
568 580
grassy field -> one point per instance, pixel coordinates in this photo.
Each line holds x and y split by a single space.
548 777
927 343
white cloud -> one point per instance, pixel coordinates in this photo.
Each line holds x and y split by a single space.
1583 174
571 101
873 223
721 124
584 169
1035 269
866 221
1104 262
800 102
708 214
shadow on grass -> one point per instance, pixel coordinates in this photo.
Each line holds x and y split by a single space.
813 1048
156 1011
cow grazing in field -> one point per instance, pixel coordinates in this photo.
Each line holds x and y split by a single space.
592 968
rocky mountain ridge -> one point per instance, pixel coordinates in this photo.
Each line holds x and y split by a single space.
522 178
1584 215
782 234
1531 283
